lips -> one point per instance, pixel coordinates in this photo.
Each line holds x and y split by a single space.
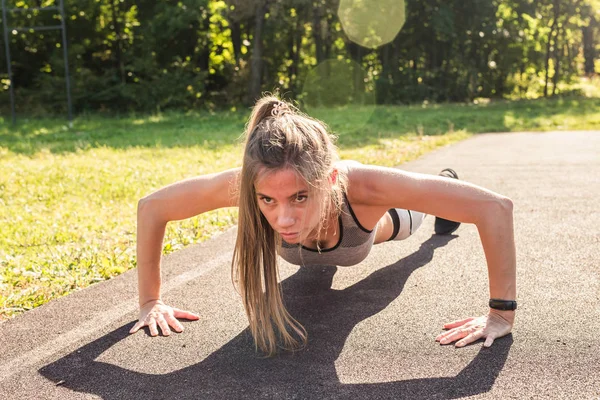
288 235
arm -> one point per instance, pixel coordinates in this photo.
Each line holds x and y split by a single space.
457 201
178 201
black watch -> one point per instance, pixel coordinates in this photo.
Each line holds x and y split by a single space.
504 305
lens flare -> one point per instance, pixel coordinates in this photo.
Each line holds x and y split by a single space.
372 23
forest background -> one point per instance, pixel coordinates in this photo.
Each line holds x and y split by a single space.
149 56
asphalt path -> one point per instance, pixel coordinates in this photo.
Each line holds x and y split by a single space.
372 326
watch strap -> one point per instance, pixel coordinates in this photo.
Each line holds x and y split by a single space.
504 305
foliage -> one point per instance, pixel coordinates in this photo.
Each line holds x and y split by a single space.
144 55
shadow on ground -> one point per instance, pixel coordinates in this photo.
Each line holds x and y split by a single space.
236 371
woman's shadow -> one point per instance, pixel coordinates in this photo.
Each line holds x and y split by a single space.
236 371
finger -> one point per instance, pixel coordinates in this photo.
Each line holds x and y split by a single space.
185 314
176 325
152 327
446 334
455 335
454 324
489 340
164 326
136 327
451 333
472 337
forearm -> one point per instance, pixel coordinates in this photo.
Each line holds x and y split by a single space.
150 234
497 237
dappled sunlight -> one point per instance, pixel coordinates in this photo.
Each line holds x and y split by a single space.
392 152
156 118
153 119
68 222
354 124
174 130
337 86
68 197
41 131
590 87
5 152
510 121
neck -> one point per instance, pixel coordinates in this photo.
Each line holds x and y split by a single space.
329 233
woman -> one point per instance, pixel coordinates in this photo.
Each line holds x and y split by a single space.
297 200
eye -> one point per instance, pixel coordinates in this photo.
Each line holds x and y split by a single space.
301 198
267 200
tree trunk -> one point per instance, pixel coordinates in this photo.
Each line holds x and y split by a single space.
317 31
293 54
547 64
236 41
356 53
384 58
589 47
203 59
385 80
328 40
522 88
256 65
567 50
395 61
556 61
119 48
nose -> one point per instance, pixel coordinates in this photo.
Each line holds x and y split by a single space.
285 218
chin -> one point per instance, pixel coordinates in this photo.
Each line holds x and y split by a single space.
294 240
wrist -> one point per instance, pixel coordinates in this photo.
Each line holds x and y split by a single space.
145 302
508 315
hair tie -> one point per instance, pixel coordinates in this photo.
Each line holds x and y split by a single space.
279 108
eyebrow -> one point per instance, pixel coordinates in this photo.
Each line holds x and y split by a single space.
301 192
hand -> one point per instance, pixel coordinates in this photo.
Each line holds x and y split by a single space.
492 326
155 313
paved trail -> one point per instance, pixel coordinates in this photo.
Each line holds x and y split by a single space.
371 327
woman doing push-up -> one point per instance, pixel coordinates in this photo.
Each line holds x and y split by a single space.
298 201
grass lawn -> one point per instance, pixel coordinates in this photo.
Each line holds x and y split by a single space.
68 197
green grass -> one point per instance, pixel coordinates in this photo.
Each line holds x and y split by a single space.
68 197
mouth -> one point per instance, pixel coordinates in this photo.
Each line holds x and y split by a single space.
290 235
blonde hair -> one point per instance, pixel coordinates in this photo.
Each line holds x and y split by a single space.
277 137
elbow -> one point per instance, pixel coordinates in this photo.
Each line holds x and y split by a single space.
142 204
506 204
503 206
501 209
145 208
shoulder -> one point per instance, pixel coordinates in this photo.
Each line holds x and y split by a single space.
366 183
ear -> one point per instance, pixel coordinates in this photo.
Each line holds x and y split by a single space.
333 176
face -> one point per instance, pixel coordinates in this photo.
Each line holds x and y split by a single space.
284 199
